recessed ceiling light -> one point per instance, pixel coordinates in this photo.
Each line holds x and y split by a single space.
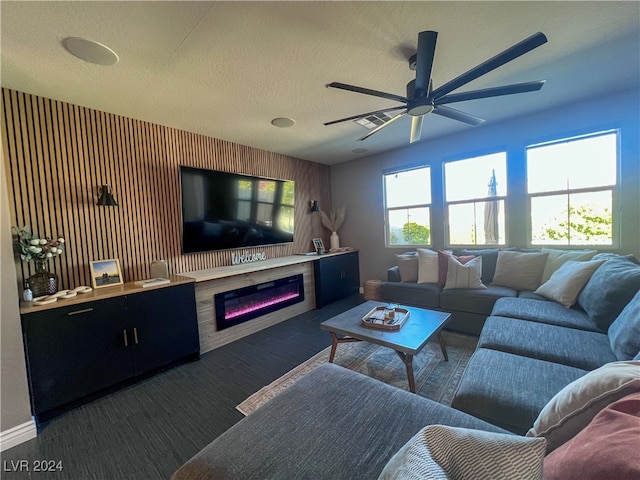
283 122
359 150
90 51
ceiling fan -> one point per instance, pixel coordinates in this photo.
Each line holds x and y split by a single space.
422 99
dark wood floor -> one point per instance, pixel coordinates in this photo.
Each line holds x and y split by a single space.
147 430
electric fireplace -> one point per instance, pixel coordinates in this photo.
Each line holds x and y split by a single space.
243 304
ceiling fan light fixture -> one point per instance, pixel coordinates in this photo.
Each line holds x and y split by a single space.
420 110
422 99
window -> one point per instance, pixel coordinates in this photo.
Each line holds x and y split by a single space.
571 186
257 200
475 189
407 207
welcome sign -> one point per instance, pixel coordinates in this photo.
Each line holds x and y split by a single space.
247 257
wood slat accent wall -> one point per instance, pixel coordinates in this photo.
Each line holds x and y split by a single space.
57 155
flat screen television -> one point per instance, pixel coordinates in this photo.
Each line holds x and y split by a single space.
223 210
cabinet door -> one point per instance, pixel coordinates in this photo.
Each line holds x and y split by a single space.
164 325
351 272
74 351
336 277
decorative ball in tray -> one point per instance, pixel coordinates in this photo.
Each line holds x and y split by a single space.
386 317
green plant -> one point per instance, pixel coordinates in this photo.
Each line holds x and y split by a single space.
584 223
31 246
415 234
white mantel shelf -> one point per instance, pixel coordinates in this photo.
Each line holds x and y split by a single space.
244 268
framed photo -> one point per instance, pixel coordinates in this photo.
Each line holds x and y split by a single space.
106 273
319 246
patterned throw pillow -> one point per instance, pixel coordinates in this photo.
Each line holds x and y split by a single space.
443 452
464 276
443 264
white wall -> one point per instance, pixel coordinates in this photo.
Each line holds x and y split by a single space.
358 184
15 410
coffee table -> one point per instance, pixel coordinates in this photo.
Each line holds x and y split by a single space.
421 326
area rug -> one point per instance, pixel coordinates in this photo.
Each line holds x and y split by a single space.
435 378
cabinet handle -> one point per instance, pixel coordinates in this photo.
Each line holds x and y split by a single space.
135 335
80 311
126 340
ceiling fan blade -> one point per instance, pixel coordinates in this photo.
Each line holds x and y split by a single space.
424 61
377 129
454 114
362 115
492 92
366 91
500 59
416 128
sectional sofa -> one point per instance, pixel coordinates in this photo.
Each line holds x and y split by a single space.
504 273
545 385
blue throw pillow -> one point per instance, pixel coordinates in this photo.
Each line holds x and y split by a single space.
624 332
609 290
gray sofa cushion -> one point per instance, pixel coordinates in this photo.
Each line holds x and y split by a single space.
531 295
510 390
609 290
393 274
333 423
474 300
624 332
568 346
425 295
544 312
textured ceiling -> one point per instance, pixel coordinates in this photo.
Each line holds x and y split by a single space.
225 69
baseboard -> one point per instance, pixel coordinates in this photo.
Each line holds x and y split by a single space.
17 435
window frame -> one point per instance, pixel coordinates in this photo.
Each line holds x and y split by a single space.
428 206
614 189
475 201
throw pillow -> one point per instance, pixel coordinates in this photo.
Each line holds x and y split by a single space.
608 256
443 264
609 290
408 267
439 451
565 284
624 332
573 407
519 270
617 429
557 258
489 259
427 266
464 275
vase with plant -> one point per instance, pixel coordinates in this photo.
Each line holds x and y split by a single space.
31 246
333 222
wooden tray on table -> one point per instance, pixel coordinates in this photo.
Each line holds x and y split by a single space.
384 318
